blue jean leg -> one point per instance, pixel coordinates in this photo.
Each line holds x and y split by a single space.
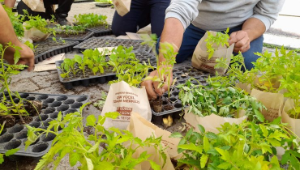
192 35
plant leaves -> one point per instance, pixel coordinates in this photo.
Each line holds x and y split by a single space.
74 158
176 135
203 160
11 152
91 120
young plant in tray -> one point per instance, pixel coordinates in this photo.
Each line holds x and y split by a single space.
219 100
12 106
67 30
108 149
91 20
246 146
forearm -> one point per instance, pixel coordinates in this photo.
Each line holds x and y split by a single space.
9 3
172 33
254 27
7 33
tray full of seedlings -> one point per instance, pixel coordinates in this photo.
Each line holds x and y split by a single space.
73 33
96 67
171 105
49 48
99 42
42 109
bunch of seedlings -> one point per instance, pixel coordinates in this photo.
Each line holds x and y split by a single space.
95 63
14 109
91 20
214 41
246 146
67 30
104 148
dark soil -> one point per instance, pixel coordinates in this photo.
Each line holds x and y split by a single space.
32 107
47 45
19 163
156 104
169 106
79 35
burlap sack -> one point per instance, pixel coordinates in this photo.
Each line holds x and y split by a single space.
200 56
211 122
34 34
272 101
35 5
293 124
122 6
125 100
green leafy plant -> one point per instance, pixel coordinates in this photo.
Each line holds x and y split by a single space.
90 20
16 21
246 146
214 41
67 30
104 1
100 103
109 149
219 100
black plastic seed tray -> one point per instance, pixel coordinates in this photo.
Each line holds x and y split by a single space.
182 75
98 42
103 78
101 30
104 5
77 37
49 48
16 136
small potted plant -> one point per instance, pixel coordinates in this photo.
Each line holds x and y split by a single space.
214 105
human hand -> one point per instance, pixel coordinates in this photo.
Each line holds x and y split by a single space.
27 56
241 40
152 86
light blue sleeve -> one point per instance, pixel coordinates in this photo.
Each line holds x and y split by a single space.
267 11
184 10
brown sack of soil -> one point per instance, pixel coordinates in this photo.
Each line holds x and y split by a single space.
272 101
143 129
200 57
211 122
125 100
293 124
122 6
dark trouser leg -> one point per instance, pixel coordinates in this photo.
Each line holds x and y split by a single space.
131 22
158 9
64 7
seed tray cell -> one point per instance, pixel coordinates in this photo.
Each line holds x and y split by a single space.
182 74
16 136
101 30
98 42
49 48
77 37
99 79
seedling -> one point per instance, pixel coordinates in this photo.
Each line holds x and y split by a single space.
214 41
100 103
219 100
104 149
16 22
245 146
90 20
105 1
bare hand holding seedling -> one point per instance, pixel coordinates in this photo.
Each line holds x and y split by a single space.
241 40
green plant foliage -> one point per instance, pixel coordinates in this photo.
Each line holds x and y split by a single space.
90 20
247 146
219 100
70 30
104 1
214 41
127 67
16 22
7 104
100 103
107 149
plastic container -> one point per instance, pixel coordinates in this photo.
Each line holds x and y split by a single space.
101 30
16 136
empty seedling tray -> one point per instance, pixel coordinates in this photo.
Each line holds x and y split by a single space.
16 136
101 30
98 42
182 74
49 48
76 37
103 78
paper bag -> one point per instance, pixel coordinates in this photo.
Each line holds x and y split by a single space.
272 101
122 6
293 124
34 34
143 129
211 122
125 100
35 5
200 56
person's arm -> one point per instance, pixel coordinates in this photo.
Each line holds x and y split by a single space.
178 16
9 3
7 34
265 14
